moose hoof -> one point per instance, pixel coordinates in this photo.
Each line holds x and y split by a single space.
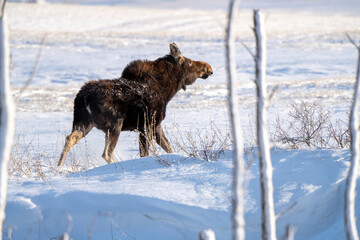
108 159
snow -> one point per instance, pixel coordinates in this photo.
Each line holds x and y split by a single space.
139 195
309 58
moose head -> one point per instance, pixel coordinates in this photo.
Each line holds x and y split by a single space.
191 69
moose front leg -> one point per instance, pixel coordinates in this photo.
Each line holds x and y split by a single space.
111 139
162 140
144 144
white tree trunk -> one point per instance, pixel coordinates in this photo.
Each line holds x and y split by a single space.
238 222
350 191
267 199
7 113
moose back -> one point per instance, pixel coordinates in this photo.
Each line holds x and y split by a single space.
135 101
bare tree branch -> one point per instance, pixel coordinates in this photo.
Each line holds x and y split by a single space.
7 114
66 235
207 234
238 222
267 189
290 233
350 191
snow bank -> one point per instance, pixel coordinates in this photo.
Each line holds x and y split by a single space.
142 199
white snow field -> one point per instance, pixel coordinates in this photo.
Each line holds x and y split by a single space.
174 196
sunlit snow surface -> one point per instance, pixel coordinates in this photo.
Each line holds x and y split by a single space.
309 59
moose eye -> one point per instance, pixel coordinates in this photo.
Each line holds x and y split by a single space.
190 63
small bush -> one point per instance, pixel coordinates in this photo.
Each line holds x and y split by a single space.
310 125
339 133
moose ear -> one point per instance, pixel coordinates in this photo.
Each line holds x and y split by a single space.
175 52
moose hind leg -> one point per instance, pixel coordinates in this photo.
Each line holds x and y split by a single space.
162 140
77 134
70 141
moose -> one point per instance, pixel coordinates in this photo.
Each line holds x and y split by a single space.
134 102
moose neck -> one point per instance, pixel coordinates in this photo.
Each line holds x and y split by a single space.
163 76
168 76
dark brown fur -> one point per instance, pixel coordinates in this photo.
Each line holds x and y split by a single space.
136 101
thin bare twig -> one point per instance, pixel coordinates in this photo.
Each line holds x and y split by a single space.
273 91
353 42
2 8
36 65
249 51
286 210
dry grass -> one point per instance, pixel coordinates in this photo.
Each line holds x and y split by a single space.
29 160
208 143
